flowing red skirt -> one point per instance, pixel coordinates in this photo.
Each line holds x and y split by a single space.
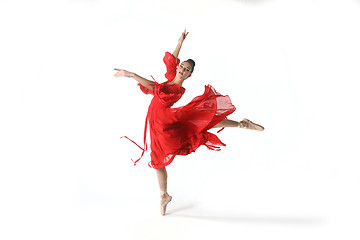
182 130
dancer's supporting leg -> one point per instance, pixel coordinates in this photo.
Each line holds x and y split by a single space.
162 177
165 197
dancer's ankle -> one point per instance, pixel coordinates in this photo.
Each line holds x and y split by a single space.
242 124
163 194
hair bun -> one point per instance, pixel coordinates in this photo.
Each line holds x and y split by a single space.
192 63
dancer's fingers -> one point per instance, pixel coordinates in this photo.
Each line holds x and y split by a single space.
119 73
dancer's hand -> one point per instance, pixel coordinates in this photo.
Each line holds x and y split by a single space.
183 36
123 73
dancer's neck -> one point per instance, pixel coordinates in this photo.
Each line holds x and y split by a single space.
177 81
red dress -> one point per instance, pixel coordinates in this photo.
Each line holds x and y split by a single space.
180 131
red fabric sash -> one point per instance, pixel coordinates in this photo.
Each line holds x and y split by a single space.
145 143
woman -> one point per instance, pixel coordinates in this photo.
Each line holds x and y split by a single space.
180 131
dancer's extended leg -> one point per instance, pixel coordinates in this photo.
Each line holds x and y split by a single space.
227 123
165 197
245 123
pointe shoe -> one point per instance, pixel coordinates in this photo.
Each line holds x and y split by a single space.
247 124
164 202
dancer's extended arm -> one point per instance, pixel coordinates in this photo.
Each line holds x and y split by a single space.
178 46
146 83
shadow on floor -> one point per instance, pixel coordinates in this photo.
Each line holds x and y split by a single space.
295 220
251 1
189 206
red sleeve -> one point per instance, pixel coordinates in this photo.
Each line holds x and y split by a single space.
146 90
171 66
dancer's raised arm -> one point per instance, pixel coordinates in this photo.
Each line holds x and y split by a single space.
180 41
146 83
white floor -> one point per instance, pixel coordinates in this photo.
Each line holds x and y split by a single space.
292 66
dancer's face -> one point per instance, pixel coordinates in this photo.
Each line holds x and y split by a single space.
184 70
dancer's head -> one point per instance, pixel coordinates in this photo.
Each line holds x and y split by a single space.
186 68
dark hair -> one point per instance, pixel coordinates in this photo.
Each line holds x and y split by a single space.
192 63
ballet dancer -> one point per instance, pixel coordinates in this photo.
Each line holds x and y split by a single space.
180 131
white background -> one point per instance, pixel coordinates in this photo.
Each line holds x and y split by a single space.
292 66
